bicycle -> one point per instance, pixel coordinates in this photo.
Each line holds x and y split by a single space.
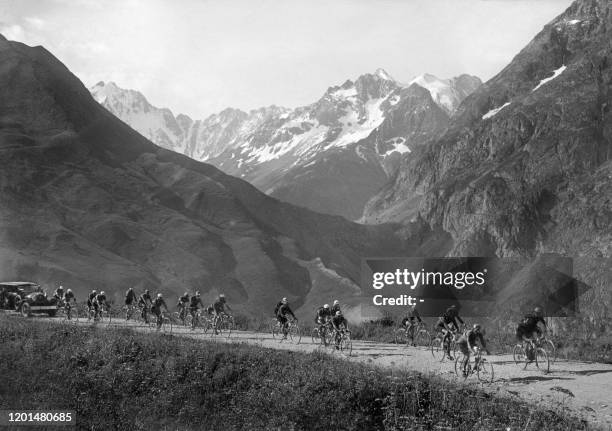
128 311
344 344
421 335
441 345
532 351
550 347
292 330
181 316
482 368
102 315
69 312
323 334
223 324
163 322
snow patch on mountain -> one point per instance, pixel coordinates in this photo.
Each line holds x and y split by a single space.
555 74
494 112
398 145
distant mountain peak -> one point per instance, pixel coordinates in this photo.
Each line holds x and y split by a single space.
382 74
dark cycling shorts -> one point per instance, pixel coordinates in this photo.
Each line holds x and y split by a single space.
524 331
281 319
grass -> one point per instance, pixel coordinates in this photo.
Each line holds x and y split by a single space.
119 379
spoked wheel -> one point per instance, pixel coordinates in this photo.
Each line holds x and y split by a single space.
228 326
459 367
314 336
400 336
166 324
346 345
437 349
329 337
294 334
484 371
422 338
277 332
551 350
541 360
519 355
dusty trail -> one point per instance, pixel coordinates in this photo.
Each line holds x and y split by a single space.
582 387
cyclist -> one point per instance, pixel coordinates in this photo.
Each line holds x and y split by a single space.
409 322
90 299
322 316
130 298
59 294
182 306
99 302
219 310
68 297
144 301
281 315
339 324
194 305
447 324
335 308
156 309
528 327
467 345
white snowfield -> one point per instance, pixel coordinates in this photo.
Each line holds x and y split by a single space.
556 73
494 112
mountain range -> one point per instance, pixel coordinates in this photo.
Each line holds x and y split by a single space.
330 156
87 202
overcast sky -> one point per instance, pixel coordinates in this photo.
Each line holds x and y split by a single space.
201 56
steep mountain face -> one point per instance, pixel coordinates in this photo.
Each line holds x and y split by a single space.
331 156
88 202
525 165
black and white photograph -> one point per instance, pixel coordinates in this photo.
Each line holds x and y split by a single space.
306 215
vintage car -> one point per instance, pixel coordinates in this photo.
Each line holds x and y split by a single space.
12 292
38 302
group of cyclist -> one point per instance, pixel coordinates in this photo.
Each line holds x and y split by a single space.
448 325
331 318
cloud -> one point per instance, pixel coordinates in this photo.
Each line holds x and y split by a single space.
13 32
35 22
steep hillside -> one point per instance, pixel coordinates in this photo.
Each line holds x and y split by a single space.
526 164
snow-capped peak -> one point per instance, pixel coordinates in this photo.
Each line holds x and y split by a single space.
382 74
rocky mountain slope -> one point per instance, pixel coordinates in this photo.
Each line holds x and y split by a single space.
330 156
88 202
525 166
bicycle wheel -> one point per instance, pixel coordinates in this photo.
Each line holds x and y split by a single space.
400 336
437 349
277 333
314 336
484 371
329 337
541 360
167 324
551 350
422 338
295 335
519 355
459 367
346 345
228 326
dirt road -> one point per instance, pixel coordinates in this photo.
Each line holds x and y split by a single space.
584 388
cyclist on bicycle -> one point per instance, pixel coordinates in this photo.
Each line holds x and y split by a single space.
130 297
219 310
322 316
144 302
335 307
59 294
281 315
409 322
194 305
339 324
467 345
90 300
528 327
99 302
69 297
182 305
447 324
156 309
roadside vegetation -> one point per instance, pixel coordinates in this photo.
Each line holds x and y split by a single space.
119 379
